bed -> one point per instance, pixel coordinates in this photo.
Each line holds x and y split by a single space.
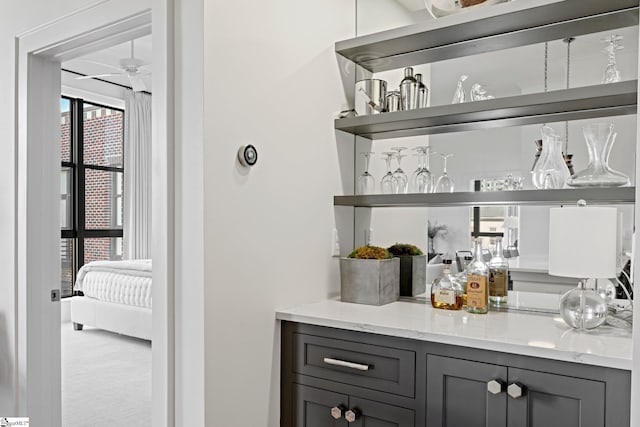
117 297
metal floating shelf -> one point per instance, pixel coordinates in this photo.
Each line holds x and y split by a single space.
587 102
487 29
600 196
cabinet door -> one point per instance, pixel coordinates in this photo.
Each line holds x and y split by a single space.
457 393
312 407
556 401
376 414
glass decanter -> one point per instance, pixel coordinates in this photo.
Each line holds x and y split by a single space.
459 95
612 73
600 138
550 170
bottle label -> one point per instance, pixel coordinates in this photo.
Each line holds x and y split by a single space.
445 296
498 280
477 295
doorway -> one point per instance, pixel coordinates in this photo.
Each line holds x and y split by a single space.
40 53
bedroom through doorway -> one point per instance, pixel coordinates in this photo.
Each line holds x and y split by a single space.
105 235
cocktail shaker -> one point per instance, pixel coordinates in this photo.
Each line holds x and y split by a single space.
393 101
423 92
370 96
409 90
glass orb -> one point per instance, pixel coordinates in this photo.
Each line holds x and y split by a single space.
583 308
606 289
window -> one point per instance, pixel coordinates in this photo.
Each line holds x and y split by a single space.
91 185
489 222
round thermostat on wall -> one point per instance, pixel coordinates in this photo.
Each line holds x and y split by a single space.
248 155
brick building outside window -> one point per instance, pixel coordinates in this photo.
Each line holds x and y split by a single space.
91 186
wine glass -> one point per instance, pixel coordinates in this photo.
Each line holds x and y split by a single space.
444 184
414 175
612 73
388 184
366 182
421 177
401 178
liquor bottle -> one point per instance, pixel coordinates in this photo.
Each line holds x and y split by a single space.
423 92
498 277
478 282
446 291
409 90
462 277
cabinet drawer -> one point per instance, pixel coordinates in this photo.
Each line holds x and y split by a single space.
386 369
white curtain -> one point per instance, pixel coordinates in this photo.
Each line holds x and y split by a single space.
137 176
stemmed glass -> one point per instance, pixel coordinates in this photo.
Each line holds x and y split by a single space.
421 177
388 184
414 175
401 178
366 182
611 73
444 184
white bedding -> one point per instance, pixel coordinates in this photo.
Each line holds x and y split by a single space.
122 282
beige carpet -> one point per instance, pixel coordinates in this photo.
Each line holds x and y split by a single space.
106 379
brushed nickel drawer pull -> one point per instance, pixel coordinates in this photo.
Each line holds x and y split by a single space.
345 364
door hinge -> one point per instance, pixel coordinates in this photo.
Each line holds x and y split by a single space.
55 295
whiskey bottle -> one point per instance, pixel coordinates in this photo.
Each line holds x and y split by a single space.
446 291
462 277
498 277
478 282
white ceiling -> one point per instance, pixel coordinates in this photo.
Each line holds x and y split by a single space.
91 64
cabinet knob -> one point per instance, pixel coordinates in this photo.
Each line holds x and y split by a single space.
352 414
495 386
516 390
337 411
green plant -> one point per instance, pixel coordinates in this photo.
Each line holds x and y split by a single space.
401 249
370 252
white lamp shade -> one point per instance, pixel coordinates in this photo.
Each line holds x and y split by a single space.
583 242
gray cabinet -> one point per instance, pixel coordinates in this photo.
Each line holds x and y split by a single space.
321 408
313 407
332 377
457 393
394 382
550 400
463 392
377 414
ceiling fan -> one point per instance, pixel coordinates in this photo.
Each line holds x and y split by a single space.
131 67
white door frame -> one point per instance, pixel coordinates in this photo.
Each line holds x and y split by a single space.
39 53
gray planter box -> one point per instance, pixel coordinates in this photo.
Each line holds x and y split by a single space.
413 275
369 281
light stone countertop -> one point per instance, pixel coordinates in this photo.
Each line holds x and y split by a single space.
529 334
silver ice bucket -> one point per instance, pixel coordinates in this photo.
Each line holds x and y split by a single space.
370 96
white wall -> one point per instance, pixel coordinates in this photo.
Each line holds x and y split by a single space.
271 79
